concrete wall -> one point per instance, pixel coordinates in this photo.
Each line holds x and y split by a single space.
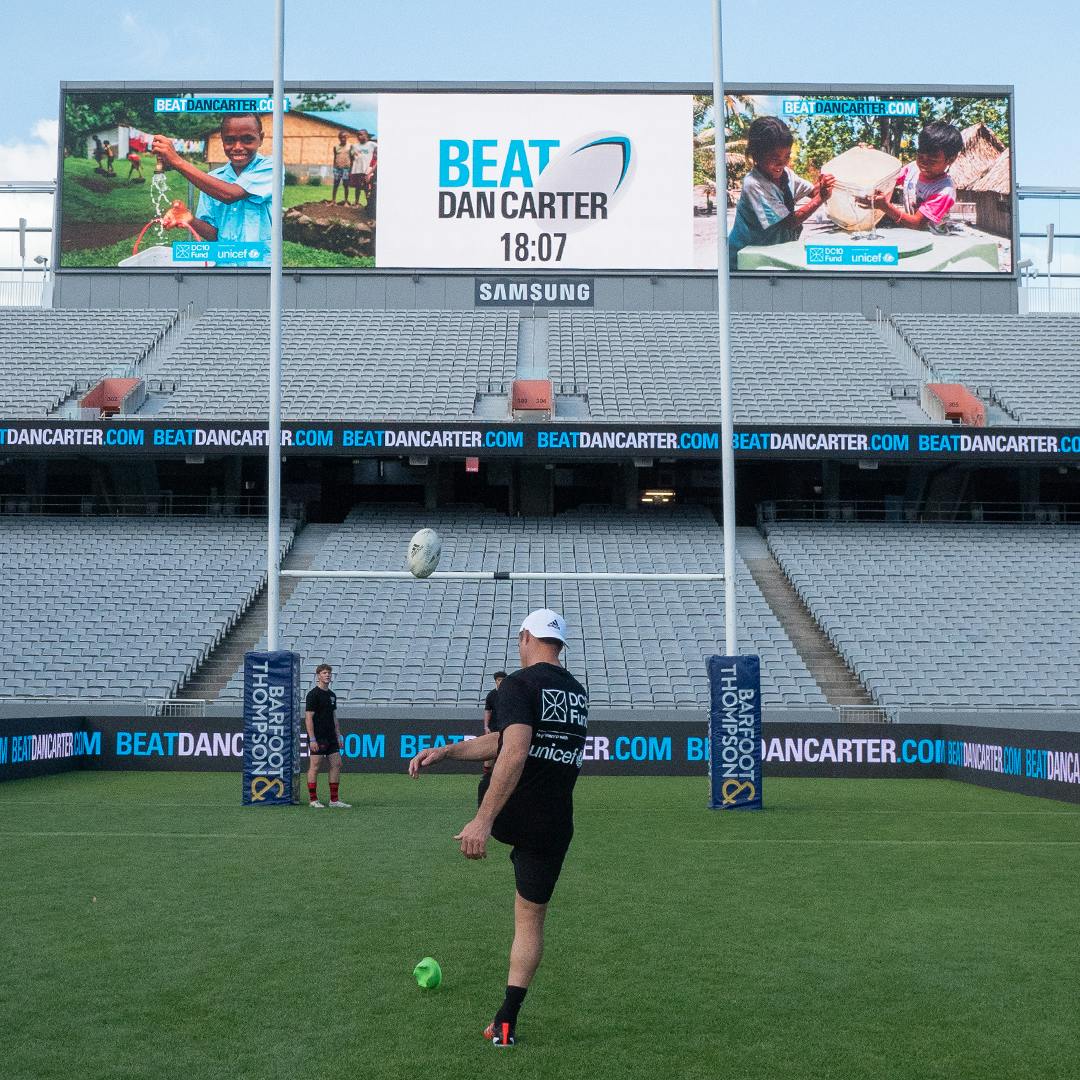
614 292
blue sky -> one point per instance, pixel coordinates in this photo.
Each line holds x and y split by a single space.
593 40
583 40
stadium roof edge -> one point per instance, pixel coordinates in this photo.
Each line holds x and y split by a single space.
337 86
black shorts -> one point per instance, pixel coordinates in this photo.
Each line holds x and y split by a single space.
535 872
327 747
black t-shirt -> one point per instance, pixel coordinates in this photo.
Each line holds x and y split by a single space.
322 703
540 812
489 706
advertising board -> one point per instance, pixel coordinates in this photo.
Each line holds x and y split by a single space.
862 180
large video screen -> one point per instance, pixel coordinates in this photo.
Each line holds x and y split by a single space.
537 181
900 183
155 180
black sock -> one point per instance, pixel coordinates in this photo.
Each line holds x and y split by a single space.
508 1011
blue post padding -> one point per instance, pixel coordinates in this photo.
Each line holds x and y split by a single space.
271 729
735 732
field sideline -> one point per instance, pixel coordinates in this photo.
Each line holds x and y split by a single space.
885 929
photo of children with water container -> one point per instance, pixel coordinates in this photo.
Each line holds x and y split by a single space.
206 178
894 183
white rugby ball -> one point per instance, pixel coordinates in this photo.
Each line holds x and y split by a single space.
424 551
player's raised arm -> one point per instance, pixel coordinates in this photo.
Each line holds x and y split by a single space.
466 750
215 187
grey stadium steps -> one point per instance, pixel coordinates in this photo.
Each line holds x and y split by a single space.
46 355
1030 362
123 606
984 616
437 643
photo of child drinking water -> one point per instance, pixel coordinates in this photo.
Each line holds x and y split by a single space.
202 177
235 199
134 219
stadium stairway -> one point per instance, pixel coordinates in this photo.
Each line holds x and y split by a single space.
826 665
221 663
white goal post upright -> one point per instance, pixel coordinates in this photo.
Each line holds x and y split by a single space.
723 315
273 509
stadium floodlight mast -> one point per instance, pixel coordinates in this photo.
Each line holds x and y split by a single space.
723 315
273 531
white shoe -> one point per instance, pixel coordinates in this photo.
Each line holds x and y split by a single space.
316 805
337 804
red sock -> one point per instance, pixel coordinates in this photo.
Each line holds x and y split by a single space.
333 792
312 795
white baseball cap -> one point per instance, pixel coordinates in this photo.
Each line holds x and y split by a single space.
545 623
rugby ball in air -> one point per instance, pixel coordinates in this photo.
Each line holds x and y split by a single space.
424 551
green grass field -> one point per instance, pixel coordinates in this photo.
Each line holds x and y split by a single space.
888 929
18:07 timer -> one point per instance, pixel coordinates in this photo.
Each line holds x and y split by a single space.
521 247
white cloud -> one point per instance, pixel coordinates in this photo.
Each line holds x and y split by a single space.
33 158
153 44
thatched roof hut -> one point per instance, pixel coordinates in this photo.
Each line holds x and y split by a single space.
997 178
982 149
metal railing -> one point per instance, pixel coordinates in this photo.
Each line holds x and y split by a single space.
901 511
1037 299
165 504
175 707
23 293
863 714
910 358
151 361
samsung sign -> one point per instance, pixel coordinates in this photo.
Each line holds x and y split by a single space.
530 291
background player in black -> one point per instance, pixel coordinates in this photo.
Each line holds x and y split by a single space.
542 713
324 737
489 726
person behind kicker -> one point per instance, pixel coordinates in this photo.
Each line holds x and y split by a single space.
109 153
324 738
927 191
234 204
543 717
491 709
774 201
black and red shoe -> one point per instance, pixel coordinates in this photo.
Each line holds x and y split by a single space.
501 1034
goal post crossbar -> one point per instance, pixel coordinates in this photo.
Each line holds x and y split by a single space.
495 575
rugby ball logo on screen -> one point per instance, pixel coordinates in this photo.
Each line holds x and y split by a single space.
600 164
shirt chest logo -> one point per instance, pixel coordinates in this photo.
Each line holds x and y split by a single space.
553 706
560 707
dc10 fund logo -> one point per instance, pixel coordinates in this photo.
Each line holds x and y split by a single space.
530 181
